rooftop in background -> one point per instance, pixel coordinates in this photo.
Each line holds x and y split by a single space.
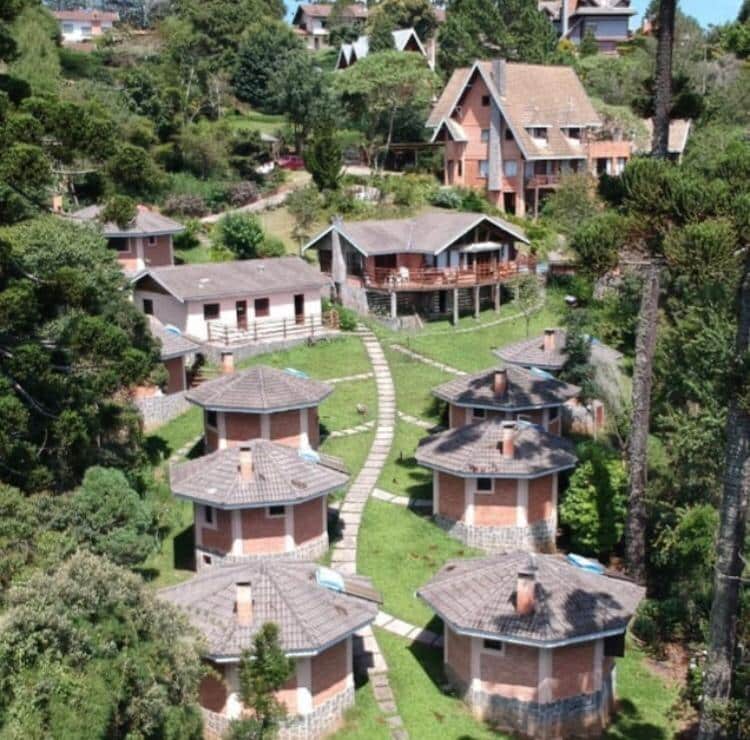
587 7
86 14
260 389
279 476
145 223
173 342
310 617
477 597
476 451
525 390
359 49
241 277
323 10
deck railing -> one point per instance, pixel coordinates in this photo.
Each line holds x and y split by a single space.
540 181
446 277
267 330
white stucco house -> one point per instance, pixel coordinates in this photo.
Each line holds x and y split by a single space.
77 26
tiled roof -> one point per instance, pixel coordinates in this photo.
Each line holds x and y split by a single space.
530 353
478 596
146 223
259 389
279 476
427 233
240 278
595 7
310 617
535 96
86 14
525 390
475 450
173 342
323 10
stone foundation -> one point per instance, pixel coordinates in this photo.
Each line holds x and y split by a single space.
310 550
158 410
320 722
539 536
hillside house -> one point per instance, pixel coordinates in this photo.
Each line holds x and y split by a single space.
144 244
261 499
607 20
260 403
311 21
176 350
404 39
530 642
317 612
84 24
495 483
436 263
513 131
506 393
242 302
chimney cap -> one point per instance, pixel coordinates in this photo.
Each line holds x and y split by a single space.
549 331
243 584
528 570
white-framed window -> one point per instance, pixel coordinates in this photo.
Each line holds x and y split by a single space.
485 135
86 31
539 132
484 168
574 132
494 646
484 485
510 167
209 517
275 512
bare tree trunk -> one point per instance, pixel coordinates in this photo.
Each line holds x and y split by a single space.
663 100
717 683
645 344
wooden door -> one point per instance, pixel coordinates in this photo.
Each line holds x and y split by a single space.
241 308
299 308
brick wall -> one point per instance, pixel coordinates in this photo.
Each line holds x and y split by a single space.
452 501
287 695
261 533
241 427
498 508
513 674
459 654
212 439
176 372
329 673
212 693
540 499
159 254
219 539
308 520
285 427
458 416
554 425
313 427
572 670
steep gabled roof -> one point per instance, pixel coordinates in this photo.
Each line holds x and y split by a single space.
477 597
310 616
360 48
280 475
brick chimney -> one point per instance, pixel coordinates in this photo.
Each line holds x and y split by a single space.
525 587
500 382
509 433
227 362
500 75
246 461
549 340
244 603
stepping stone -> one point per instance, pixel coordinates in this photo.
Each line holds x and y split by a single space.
388 707
379 680
399 627
383 694
394 721
400 734
381 619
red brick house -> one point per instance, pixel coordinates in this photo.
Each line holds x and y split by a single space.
317 612
530 641
514 130
260 402
145 243
261 499
175 351
495 483
506 393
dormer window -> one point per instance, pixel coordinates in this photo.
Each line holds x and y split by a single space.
539 132
574 133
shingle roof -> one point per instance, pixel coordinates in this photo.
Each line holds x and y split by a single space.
530 353
597 7
478 596
310 617
427 233
173 342
525 390
146 223
535 96
323 10
259 389
239 278
86 14
475 450
280 476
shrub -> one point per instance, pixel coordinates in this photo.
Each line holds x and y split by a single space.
242 193
271 246
348 319
186 204
446 198
188 239
241 234
119 209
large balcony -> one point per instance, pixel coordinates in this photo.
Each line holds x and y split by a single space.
398 279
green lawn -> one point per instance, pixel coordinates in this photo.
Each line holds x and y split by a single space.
363 721
331 358
352 450
339 410
401 551
254 120
162 443
279 223
200 254
401 474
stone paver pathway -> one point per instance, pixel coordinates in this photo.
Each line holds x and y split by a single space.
365 427
367 655
392 498
185 450
426 360
347 378
421 423
408 631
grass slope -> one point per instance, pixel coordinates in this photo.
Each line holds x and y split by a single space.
401 474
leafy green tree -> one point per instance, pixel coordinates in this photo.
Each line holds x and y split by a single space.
380 34
588 46
111 519
133 172
89 651
241 234
263 671
304 206
119 209
264 49
71 342
416 14
527 295
573 202
37 61
594 505
324 159
342 27
204 149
